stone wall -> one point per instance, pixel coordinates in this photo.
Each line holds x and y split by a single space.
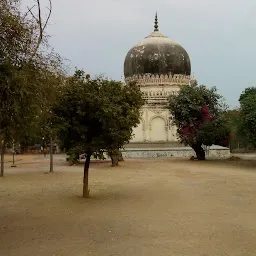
155 126
156 121
183 152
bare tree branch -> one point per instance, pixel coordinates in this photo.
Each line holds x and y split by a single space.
49 15
40 21
41 26
29 11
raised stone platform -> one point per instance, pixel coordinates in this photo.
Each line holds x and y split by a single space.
163 151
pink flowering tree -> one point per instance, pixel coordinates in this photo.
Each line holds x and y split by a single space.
198 114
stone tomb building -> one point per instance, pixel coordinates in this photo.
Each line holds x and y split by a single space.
160 66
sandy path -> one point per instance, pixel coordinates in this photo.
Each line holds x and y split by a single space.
145 207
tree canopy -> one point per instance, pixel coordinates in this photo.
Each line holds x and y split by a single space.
239 139
198 114
96 115
248 113
27 70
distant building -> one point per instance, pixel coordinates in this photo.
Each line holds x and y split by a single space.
160 66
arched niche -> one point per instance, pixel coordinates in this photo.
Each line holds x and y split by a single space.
158 129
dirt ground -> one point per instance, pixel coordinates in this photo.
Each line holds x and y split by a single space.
145 207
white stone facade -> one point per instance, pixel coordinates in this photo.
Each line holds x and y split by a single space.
156 124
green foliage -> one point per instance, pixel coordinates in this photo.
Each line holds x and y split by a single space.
192 126
26 83
96 114
16 100
239 139
215 132
248 113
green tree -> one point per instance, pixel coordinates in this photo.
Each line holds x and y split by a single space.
96 115
25 67
239 139
248 113
198 114
46 123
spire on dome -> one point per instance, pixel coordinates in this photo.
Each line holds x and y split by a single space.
156 23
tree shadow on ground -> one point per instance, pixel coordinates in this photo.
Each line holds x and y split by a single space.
233 162
100 197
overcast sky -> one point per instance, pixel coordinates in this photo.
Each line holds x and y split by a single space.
219 36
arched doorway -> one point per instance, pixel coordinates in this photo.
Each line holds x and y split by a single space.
158 131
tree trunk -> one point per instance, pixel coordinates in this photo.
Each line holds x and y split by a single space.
13 160
51 155
200 154
114 159
2 159
115 156
86 191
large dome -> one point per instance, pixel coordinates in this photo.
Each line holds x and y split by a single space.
157 54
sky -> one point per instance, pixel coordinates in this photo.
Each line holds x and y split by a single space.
219 36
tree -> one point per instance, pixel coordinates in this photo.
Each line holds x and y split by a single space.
25 66
248 113
198 114
17 104
95 115
239 139
22 37
48 128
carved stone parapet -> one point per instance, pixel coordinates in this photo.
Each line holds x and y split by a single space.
148 79
157 97
158 94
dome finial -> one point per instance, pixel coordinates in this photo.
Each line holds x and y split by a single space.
156 23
